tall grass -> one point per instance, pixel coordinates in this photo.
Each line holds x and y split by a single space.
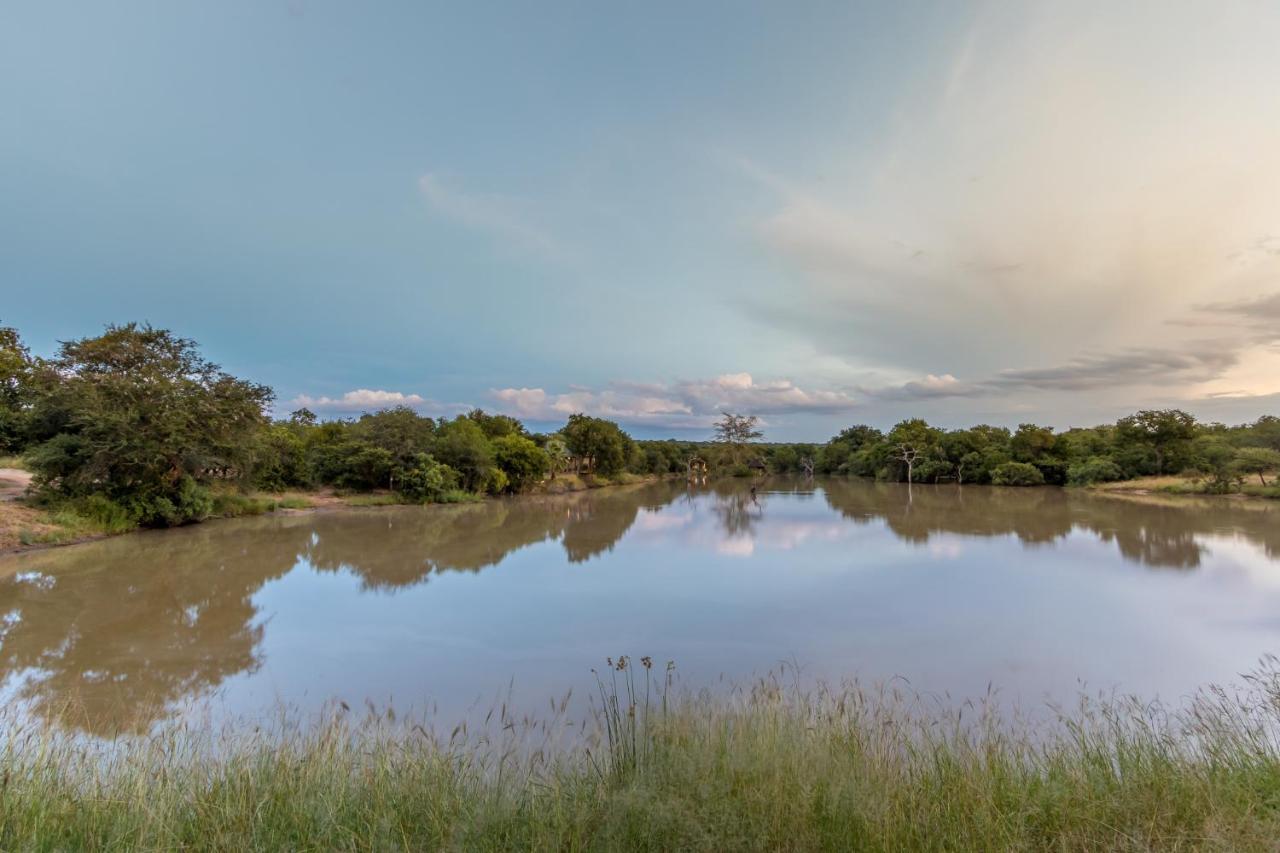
768 767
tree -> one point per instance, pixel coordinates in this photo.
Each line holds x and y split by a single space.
600 443
1257 460
1017 474
462 445
521 460
911 440
137 415
400 431
1163 430
15 389
736 431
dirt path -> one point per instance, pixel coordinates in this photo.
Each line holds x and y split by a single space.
13 482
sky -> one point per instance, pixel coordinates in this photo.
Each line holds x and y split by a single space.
820 213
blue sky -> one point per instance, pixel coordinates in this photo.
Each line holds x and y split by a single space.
823 213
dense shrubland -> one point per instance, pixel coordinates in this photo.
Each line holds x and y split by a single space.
134 427
1215 458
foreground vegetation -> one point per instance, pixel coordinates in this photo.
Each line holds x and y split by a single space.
766 768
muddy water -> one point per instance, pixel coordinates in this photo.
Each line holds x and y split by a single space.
1040 591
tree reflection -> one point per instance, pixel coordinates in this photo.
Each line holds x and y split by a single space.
106 637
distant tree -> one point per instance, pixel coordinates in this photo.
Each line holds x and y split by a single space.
521 460
137 415
303 417
1017 474
912 441
462 445
1165 431
736 432
600 443
1257 460
496 426
400 431
557 453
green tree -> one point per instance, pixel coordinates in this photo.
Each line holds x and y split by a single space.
462 445
1017 474
137 415
1257 460
912 442
736 432
400 431
601 444
425 480
1165 431
521 460
16 390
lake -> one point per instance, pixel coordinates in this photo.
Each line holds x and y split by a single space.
1041 592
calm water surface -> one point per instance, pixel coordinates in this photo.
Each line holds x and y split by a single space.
1039 591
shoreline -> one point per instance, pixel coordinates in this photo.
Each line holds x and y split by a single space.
22 518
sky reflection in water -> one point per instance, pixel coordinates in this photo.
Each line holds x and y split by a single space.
1034 590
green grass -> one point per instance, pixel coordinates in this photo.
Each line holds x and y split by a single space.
765 768
384 499
13 462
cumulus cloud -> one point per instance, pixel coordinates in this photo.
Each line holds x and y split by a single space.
683 404
369 400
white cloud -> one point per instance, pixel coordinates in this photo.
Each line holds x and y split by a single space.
684 404
369 400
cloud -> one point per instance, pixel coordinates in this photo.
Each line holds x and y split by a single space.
1075 180
684 404
502 217
928 388
369 400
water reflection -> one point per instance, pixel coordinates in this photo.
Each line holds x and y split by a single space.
114 634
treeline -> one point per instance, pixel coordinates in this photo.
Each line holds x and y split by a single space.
134 427
1148 443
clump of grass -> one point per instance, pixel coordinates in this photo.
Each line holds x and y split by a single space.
769 766
12 461
228 504
380 499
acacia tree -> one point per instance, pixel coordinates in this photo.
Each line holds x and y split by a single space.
736 431
1163 430
137 415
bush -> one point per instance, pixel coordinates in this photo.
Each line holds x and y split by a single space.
523 462
1095 469
1017 474
428 481
740 470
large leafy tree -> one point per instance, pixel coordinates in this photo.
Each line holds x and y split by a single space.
1165 431
15 389
139 416
600 443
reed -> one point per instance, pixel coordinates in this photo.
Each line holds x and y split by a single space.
768 766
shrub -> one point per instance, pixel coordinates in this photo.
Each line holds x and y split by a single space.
1095 469
523 462
1017 474
428 481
